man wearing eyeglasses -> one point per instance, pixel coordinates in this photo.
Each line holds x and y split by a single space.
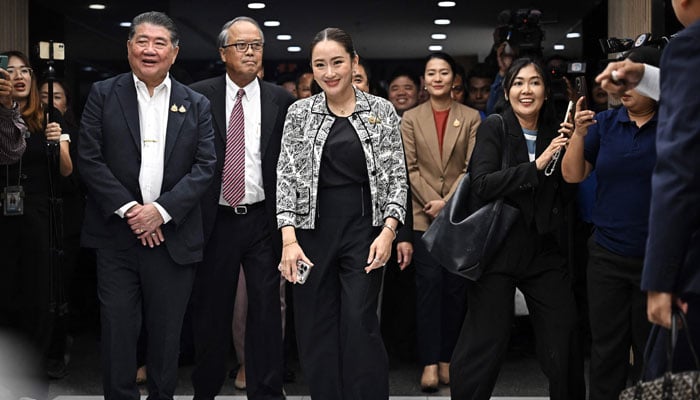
239 220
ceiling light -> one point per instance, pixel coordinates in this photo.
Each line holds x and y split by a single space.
125 24
435 47
573 35
96 6
256 6
559 46
293 49
438 36
442 22
446 4
284 37
271 23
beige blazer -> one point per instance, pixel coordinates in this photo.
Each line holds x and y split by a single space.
433 175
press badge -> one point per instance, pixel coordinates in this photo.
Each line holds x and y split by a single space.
13 200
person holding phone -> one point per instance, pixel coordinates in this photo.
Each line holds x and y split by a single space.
530 257
27 275
341 195
12 129
620 145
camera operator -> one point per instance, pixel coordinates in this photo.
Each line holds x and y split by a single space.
25 226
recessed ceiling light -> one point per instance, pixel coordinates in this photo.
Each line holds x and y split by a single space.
573 35
293 49
284 37
271 23
442 22
559 46
125 24
446 4
256 6
438 36
435 47
97 6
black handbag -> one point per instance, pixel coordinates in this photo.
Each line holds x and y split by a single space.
671 386
464 243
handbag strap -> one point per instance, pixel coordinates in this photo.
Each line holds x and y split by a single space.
506 142
671 342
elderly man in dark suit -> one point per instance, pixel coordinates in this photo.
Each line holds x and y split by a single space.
239 220
147 156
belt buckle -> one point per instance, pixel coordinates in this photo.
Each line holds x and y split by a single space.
240 210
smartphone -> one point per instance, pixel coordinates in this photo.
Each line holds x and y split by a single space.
3 62
303 270
582 91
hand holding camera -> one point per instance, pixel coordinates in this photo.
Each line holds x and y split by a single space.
5 83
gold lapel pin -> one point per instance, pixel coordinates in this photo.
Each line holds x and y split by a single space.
456 123
182 109
173 108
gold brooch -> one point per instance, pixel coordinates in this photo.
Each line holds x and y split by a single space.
373 120
182 109
456 123
173 108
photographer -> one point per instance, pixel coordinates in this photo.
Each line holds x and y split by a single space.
25 225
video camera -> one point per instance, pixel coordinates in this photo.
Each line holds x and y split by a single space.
615 45
521 29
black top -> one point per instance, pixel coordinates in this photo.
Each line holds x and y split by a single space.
343 160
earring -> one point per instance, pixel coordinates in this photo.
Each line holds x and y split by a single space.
505 96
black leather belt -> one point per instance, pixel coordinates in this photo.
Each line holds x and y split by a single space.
243 209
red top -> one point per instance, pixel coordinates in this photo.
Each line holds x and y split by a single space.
440 125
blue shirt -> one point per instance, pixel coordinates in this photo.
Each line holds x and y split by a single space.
623 156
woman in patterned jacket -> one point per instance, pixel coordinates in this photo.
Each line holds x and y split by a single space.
341 194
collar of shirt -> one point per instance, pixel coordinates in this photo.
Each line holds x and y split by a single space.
252 91
142 89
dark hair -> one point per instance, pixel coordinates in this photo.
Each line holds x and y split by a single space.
645 54
156 18
403 71
519 64
365 65
442 56
32 113
547 113
223 35
336 35
481 70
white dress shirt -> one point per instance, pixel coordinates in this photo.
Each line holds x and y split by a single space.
153 124
254 191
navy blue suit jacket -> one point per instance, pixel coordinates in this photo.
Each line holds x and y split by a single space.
110 160
672 262
274 102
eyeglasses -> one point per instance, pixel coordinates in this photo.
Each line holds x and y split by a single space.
458 89
242 47
24 71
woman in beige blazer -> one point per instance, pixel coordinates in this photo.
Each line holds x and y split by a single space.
438 138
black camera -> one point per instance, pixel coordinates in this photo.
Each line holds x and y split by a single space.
521 29
615 45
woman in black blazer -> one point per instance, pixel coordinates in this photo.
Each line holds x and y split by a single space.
530 258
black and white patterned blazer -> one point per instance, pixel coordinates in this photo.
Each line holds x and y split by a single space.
306 129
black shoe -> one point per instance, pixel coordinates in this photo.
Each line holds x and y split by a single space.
56 369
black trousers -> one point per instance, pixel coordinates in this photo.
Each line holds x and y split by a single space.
534 264
441 303
618 318
238 240
141 285
338 336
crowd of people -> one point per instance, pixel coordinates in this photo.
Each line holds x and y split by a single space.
319 190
